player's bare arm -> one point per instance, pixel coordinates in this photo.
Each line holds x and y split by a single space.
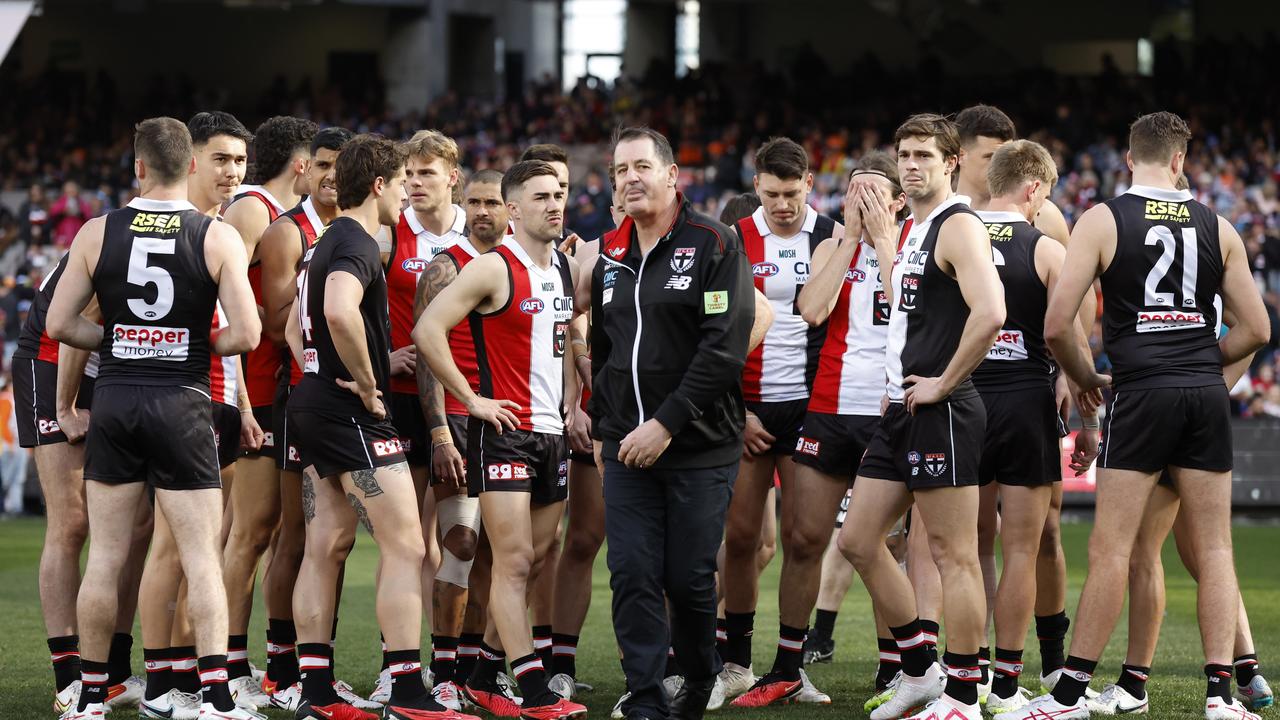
763 320
440 272
279 251
293 338
572 390
250 219
1240 297
342 294
1050 221
75 289
830 261
1094 234
229 266
73 421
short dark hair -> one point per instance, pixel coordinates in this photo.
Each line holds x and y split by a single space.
1157 136
164 146
276 141
488 176
783 158
984 121
331 138
363 159
639 132
521 173
205 126
930 125
546 152
738 207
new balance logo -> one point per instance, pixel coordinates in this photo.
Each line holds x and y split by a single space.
678 282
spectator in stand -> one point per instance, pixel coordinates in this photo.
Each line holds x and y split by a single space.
33 216
68 214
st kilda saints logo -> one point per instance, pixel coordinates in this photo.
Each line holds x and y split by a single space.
682 259
935 463
910 292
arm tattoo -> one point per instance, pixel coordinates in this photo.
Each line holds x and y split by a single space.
439 274
308 498
367 482
361 512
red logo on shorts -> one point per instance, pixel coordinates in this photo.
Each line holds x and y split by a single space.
294 455
48 427
385 448
808 447
508 471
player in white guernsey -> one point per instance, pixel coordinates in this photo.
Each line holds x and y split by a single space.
779 239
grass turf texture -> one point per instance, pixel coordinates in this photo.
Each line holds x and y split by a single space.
1176 688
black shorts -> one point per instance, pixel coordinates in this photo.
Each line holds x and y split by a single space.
264 415
338 443
834 444
406 415
939 446
289 455
161 435
782 420
1021 445
226 432
517 461
1149 430
844 507
35 390
458 431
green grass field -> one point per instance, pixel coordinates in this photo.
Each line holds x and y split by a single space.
1177 685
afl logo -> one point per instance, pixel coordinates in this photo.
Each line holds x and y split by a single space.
531 306
763 270
913 457
855 275
414 265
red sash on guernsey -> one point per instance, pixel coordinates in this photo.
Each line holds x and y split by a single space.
461 344
222 369
409 258
825 397
753 371
262 362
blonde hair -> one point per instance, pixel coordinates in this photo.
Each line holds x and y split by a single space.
1017 162
433 144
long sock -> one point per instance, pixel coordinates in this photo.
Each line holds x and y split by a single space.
64 655
118 660
1246 668
282 656
984 664
159 672
316 673
1051 630
890 662
824 624
1007 668
543 644
468 653
739 628
1219 685
93 683
673 664
962 677
1076 674
213 682
564 654
1133 678
406 678
444 658
385 663
488 665
931 628
185 677
531 675
333 642
790 655
911 646
722 636
238 656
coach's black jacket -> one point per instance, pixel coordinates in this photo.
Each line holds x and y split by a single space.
679 359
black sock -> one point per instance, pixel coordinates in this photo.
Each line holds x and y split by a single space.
790 655
159 672
238 656
564 654
64 655
184 675
531 675
1246 668
890 662
93 683
213 682
1219 686
738 630
444 658
931 628
1007 669
406 676
911 646
488 665
1051 630
673 664
1133 678
118 660
1076 674
984 664
282 655
542 644
962 677
722 635
468 653
824 624
316 674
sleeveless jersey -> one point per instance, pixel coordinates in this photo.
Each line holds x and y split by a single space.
223 387
262 362
307 220
782 367
412 250
928 319
850 379
1159 324
1019 359
461 345
34 342
156 295
520 347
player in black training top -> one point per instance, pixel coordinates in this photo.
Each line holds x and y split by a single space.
158 267
1162 257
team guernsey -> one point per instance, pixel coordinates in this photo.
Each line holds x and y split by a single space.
307 221
461 345
412 251
310 226
263 362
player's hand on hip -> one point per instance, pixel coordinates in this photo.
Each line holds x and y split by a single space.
74 423
404 361
371 397
498 413
755 439
251 434
447 465
918 391
1085 452
642 447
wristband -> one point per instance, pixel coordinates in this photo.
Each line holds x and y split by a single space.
441 435
1091 423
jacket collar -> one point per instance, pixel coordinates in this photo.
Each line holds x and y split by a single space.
618 244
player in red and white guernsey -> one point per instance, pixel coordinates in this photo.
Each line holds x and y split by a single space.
847 293
519 302
446 419
779 239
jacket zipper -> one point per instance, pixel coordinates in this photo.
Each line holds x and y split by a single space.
635 346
